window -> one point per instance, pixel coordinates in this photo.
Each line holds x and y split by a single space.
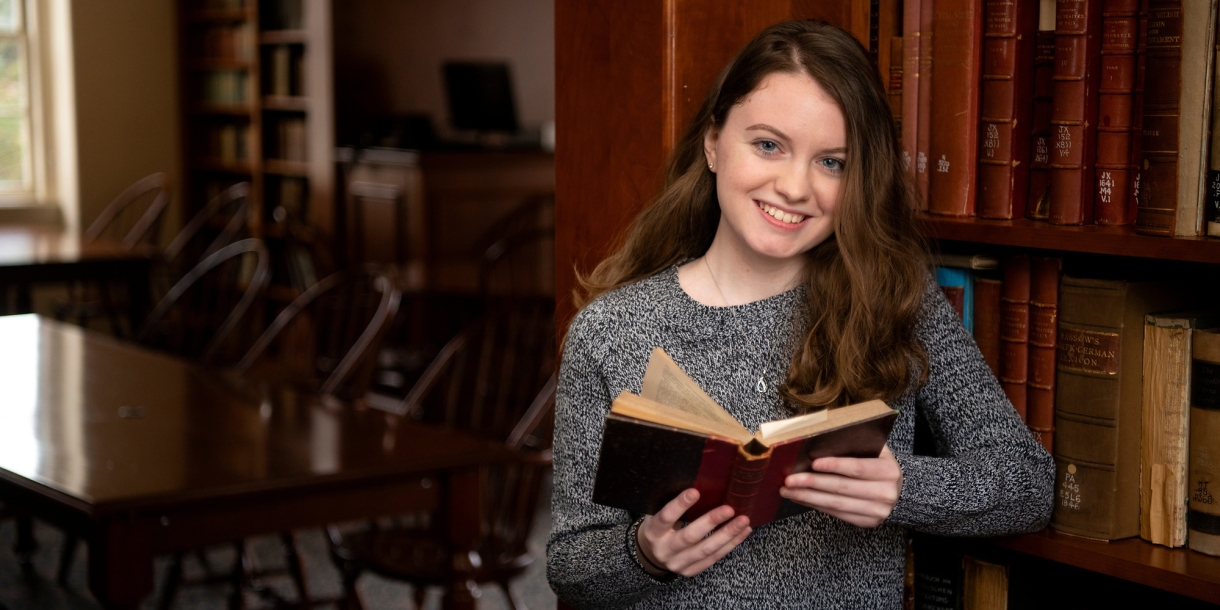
16 139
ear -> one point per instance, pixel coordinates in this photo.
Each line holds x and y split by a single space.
710 137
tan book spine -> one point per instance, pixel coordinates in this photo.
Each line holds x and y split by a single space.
1166 424
1098 404
1204 484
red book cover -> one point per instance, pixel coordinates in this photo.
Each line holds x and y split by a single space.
1073 128
1014 330
1043 342
1038 206
911 41
987 320
957 50
1007 107
1112 204
924 112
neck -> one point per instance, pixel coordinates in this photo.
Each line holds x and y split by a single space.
740 281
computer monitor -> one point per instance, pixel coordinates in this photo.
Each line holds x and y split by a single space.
480 96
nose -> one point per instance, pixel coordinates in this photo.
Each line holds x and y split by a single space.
794 182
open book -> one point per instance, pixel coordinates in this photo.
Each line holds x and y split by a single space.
673 436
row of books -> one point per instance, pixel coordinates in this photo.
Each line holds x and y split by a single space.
224 87
227 142
1076 111
284 76
289 142
1119 379
227 42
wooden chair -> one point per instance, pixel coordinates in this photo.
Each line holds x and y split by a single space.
494 380
129 223
325 340
221 222
328 336
199 313
132 219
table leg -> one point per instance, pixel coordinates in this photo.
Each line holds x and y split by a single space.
121 564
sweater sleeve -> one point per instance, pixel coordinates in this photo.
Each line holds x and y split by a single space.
990 476
591 552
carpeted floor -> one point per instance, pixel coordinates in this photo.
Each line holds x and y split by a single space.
41 592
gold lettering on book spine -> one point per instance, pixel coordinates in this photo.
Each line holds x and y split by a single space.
1088 351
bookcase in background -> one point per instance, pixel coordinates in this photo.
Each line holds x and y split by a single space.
597 195
257 106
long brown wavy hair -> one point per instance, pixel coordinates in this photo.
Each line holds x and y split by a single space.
865 283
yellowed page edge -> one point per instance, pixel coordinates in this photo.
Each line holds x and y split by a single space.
665 382
638 407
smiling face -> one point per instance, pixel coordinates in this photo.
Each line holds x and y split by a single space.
779 161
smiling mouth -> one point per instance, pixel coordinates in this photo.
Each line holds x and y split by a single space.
780 215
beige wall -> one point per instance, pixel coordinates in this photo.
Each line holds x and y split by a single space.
388 53
127 122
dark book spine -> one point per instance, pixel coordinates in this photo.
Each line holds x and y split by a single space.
911 44
1007 107
1074 130
923 136
1038 206
1043 341
1212 201
1014 330
1112 204
1203 489
895 88
987 320
953 141
1158 198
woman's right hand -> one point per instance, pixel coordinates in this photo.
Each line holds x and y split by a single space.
689 550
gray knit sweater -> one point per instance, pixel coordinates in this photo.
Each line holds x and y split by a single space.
994 478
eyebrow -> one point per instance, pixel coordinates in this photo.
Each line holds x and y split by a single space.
765 127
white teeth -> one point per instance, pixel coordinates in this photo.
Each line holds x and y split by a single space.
781 215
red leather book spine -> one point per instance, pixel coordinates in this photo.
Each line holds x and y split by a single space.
987 292
1043 341
895 88
747 474
1137 105
1040 165
1112 204
712 480
957 51
1073 128
911 41
923 136
1007 107
1158 196
1014 330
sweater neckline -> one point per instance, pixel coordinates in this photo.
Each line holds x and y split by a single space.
782 300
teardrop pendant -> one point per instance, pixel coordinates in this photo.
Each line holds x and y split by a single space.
761 388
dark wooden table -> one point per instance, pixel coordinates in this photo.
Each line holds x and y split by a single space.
141 453
35 254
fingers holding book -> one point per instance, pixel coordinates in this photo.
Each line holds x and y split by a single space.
666 546
860 491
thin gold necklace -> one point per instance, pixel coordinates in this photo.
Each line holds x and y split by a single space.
761 386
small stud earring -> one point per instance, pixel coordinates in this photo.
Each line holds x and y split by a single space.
711 167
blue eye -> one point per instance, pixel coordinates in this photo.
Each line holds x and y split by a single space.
767 147
833 164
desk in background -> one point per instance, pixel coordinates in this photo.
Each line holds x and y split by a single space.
142 453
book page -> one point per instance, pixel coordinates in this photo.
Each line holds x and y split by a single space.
635 407
665 382
821 421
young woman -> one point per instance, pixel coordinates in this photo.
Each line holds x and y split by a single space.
781 268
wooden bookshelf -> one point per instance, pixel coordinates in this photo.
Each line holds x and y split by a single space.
1180 570
249 66
1092 239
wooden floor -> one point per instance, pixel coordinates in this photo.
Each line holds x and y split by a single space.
40 592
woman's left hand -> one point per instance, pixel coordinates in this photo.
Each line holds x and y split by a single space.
860 491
